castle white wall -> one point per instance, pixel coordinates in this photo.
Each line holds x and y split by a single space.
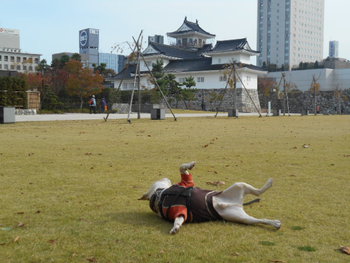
204 80
150 62
225 59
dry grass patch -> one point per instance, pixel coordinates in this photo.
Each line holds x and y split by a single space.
69 189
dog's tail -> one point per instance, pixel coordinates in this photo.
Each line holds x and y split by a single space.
253 201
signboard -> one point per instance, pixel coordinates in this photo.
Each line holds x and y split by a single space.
9 31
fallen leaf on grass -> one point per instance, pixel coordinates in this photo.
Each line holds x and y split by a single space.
91 259
216 183
52 241
16 239
20 224
345 250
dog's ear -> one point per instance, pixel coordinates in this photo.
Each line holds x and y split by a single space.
144 197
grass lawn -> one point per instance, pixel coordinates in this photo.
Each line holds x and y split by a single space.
69 189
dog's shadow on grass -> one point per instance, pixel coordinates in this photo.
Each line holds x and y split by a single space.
137 218
150 220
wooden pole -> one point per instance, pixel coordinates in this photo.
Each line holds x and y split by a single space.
227 83
136 73
155 81
239 78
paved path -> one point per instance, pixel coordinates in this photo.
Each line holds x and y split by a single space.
100 116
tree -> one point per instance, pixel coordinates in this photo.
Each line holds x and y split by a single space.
82 82
188 94
43 67
76 56
158 74
105 72
267 86
172 87
13 91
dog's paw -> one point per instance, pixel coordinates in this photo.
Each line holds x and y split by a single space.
270 181
174 230
277 224
187 166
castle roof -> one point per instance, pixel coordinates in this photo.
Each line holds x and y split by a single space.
188 27
232 45
175 52
203 64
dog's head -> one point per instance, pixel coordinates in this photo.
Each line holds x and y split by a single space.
162 183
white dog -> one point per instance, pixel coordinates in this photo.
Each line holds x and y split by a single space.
183 202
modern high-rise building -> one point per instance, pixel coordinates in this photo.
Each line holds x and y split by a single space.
112 61
156 38
88 46
290 32
11 56
333 49
9 38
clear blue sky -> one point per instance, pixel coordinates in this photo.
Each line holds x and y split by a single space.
48 27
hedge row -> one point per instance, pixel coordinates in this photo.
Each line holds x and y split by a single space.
13 92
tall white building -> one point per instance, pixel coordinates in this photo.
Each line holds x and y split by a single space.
290 32
11 57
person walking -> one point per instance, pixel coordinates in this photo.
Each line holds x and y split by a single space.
104 105
92 104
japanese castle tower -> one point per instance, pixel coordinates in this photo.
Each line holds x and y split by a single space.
192 56
190 35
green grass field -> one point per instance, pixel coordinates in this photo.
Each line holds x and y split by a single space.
69 189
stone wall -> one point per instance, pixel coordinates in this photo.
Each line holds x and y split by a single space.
213 99
327 102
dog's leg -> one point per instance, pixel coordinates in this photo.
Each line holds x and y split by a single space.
177 224
237 214
235 193
186 166
229 204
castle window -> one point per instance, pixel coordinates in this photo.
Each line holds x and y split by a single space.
223 78
200 79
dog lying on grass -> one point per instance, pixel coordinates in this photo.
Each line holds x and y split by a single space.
183 202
